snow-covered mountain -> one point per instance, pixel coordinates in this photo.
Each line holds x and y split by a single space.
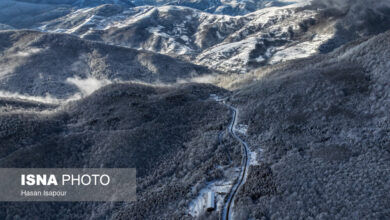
270 33
152 84
198 32
57 65
228 7
30 13
223 42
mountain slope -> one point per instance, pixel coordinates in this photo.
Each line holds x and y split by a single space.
235 44
30 13
169 134
322 127
100 84
21 14
226 43
228 7
36 64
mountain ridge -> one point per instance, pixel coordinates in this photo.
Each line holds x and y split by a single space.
44 63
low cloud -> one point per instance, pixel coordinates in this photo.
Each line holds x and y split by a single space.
43 99
86 87
363 16
89 85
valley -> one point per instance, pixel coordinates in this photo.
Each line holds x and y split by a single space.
228 109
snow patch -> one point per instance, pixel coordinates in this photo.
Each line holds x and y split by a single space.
253 158
221 189
260 59
124 21
216 97
301 50
185 38
241 128
219 35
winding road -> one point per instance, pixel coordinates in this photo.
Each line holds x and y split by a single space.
226 212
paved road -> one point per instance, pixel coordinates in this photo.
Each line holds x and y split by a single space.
226 212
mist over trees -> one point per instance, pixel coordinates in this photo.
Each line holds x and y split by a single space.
364 16
311 84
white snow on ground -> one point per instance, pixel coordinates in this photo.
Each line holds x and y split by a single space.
221 188
157 31
236 37
184 38
87 21
234 55
124 21
197 205
260 59
295 3
241 128
253 158
216 98
302 50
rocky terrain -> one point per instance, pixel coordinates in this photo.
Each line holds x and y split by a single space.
147 84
